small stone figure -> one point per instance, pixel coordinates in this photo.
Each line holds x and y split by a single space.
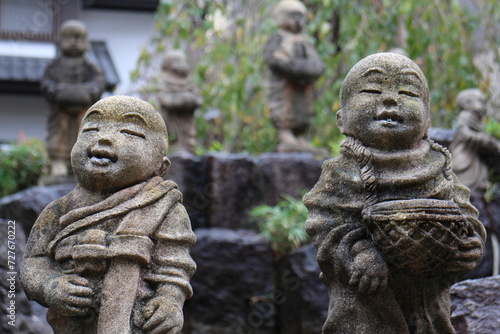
179 99
471 144
112 256
392 225
295 66
71 84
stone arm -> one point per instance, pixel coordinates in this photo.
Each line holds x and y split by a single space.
345 251
297 69
43 279
94 81
172 266
183 100
49 83
471 249
485 144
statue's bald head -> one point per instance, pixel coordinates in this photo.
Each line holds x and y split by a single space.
130 109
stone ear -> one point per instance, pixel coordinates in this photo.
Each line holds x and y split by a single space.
165 166
340 124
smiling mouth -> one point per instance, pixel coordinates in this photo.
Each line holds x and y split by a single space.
101 157
389 118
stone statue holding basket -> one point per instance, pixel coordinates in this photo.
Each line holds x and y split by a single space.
393 226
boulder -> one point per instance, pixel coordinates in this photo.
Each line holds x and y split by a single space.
234 187
188 172
287 173
232 284
475 306
301 297
26 205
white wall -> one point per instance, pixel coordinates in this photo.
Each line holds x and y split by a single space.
125 33
22 113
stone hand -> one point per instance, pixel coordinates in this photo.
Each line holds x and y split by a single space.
70 295
369 273
163 317
469 255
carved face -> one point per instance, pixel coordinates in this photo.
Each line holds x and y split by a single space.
293 21
74 41
176 63
117 148
385 103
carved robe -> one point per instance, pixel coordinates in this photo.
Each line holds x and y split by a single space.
70 85
132 246
410 304
294 65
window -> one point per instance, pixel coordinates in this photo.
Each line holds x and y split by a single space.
30 20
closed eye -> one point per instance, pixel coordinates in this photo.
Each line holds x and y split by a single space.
371 91
408 93
90 130
133 133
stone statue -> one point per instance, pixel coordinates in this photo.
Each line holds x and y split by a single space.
112 256
71 84
295 66
392 225
471 144
179 99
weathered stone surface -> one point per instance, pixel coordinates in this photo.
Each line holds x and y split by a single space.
475 306
301 298
187 170
287 173
112 256
233 187
232 284
392 225
26 205
28 317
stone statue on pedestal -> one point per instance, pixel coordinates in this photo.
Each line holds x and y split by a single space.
393 226
179 99
295 66
471 144
112 256
71 84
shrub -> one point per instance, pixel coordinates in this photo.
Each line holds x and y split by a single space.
21 165
283 225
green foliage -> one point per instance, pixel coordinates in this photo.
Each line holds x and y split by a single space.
492 128
283 225
21 165
225 41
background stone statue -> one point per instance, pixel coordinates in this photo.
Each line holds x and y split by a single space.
295 66
112 256
71 84
393 227
179 99
471 145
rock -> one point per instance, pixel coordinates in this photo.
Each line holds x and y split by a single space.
26 205
287 173
234 186
301 297
475 306
231 285
442 136
188 172
29 316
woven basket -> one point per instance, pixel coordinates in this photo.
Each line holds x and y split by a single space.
417 236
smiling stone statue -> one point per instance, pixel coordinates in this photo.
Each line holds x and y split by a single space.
112 256
393 226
